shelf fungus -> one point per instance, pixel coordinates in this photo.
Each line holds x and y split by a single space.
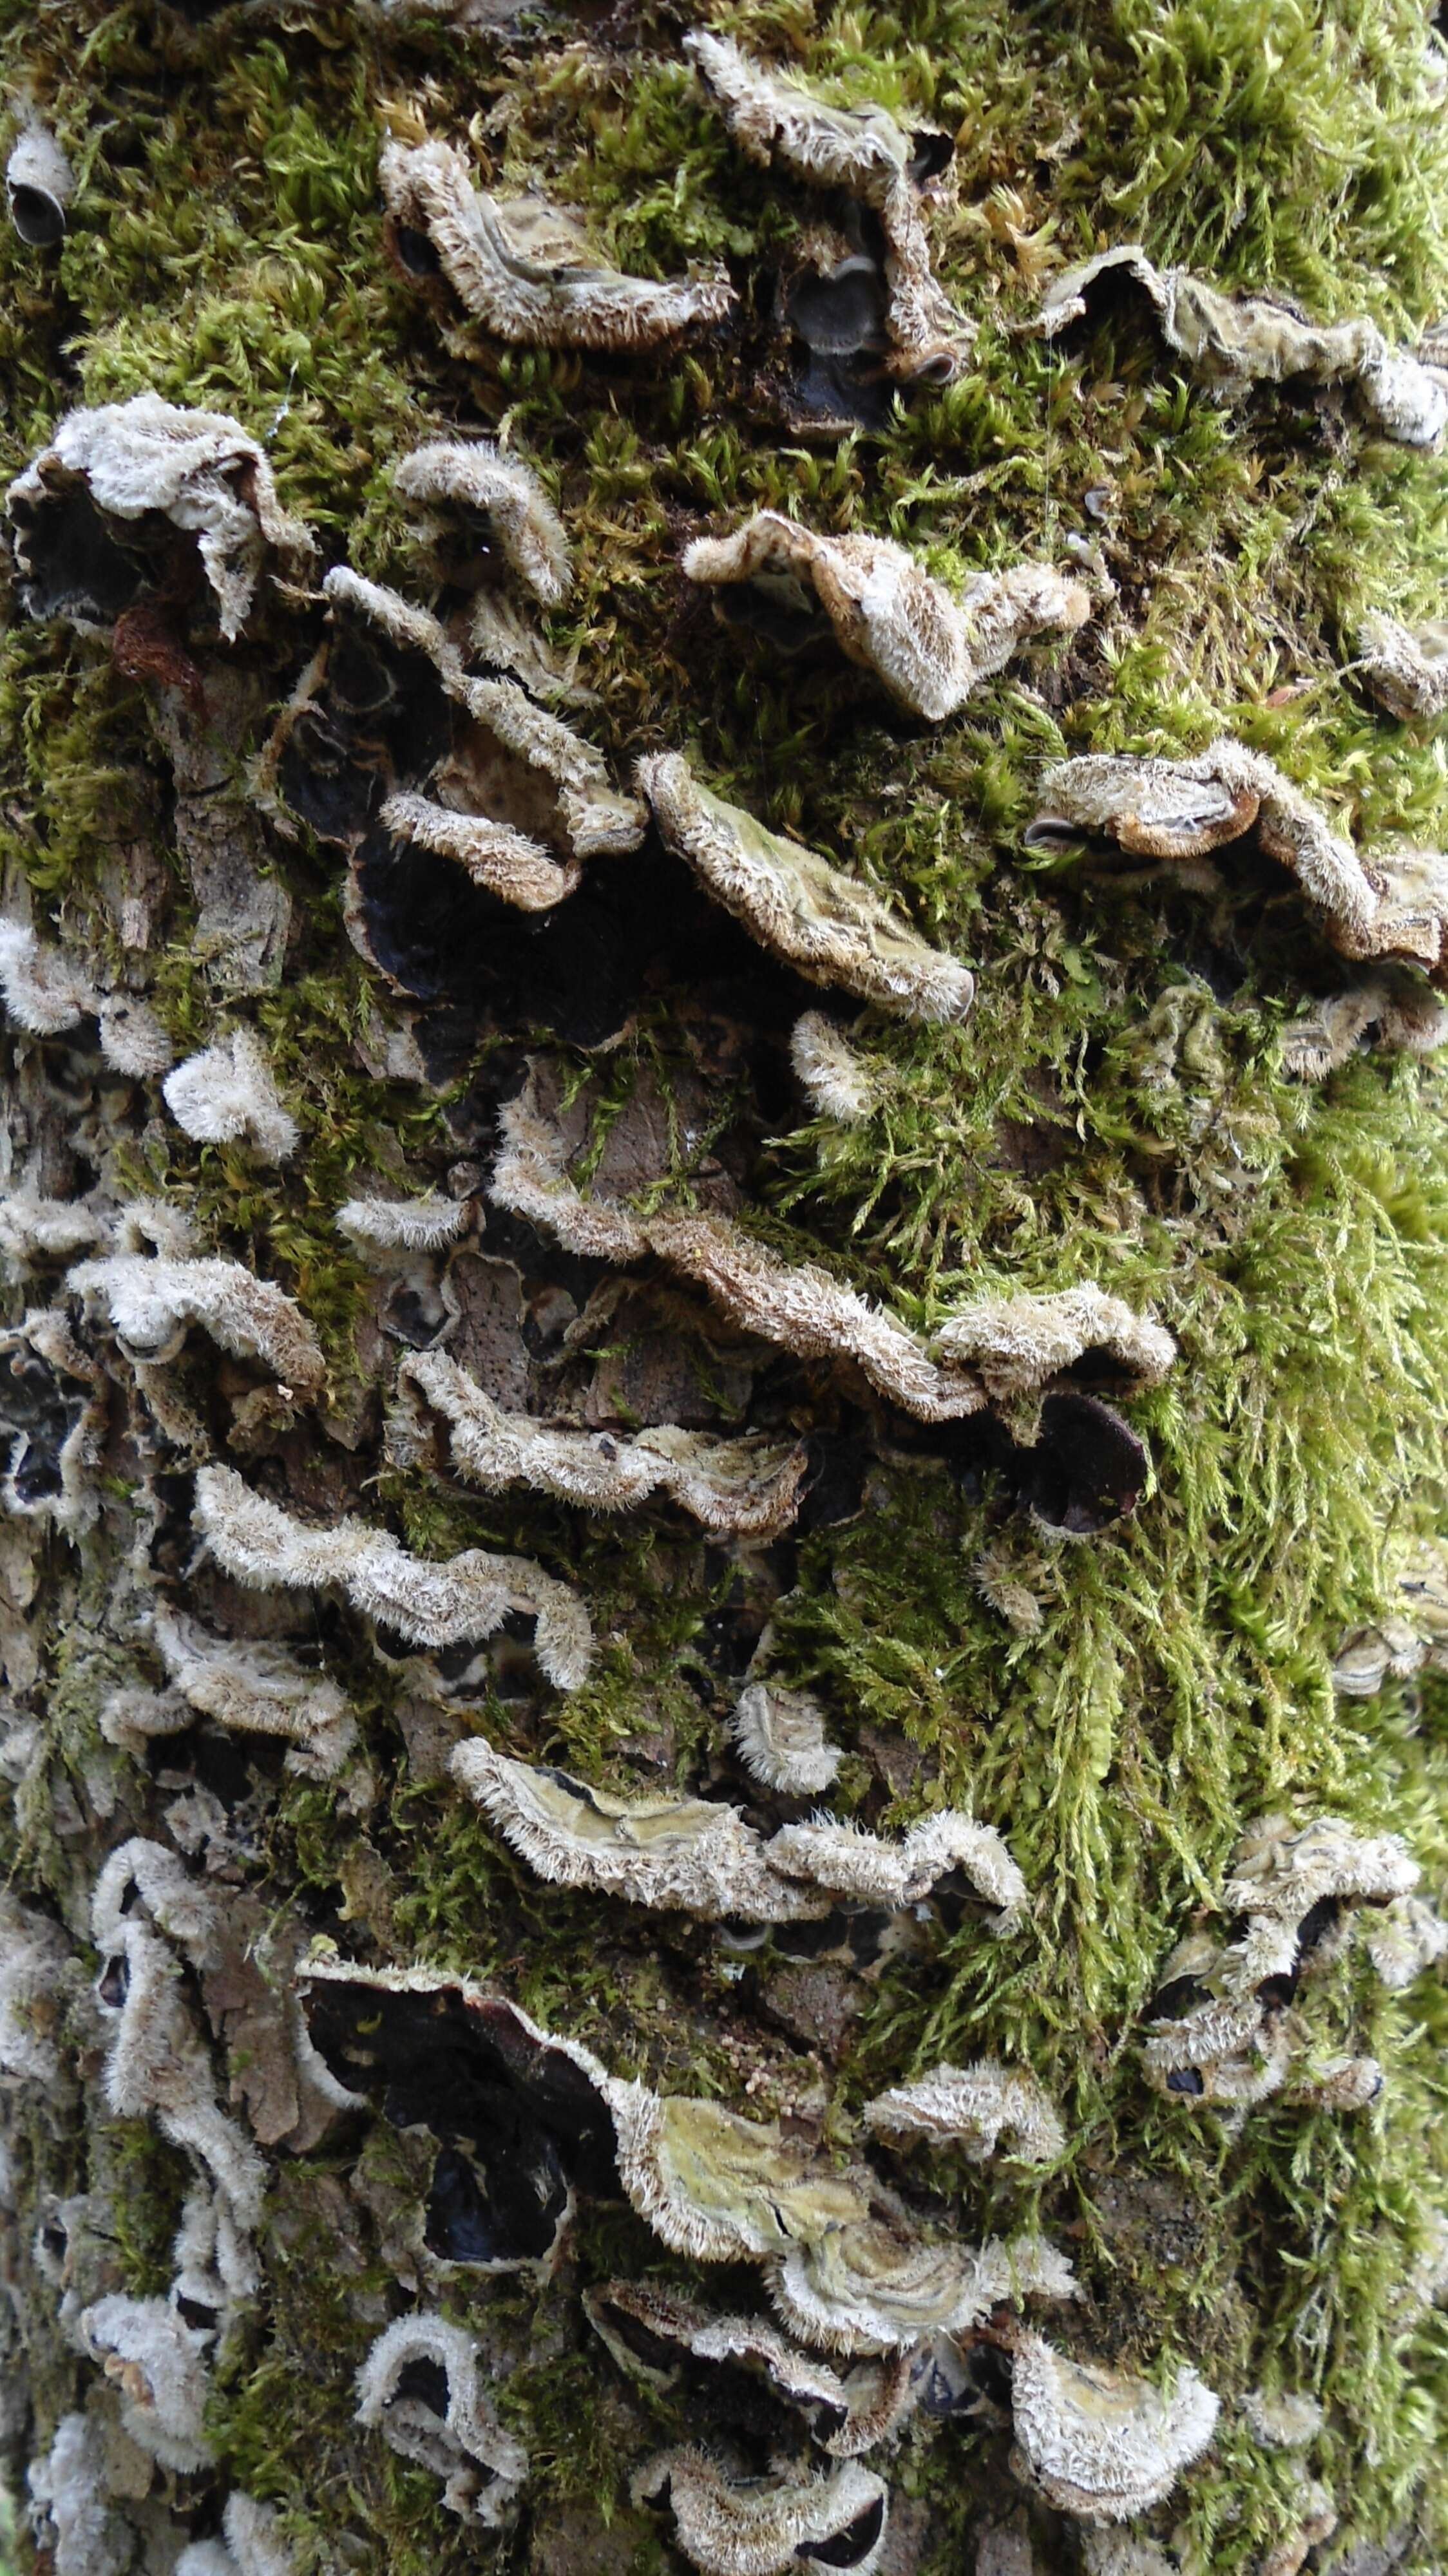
1233 341
250 1685
380 1228
472 477
1391 1007
457 1599
928 648
39 183
747 1487
831 929
725 2367
52 1398
141 501
152 1302
974 2107
1096 2442
525 269
699 1854
835 1080
865 157
46 992
1392 904
1414 1636
1222 2026
846 2267
421 2383
766 2526
780 1738
1018 1345
1405 667
390 750
158 2363
227 1095
148 1916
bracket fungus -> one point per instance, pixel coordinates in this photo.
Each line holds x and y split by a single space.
39 183
876 2285
1405 667
1232 342
422 2384
700 1855
1017 1345
429 1604
835 1080
251 1685
974 2107
158 2363
473 476
749 1487
124 497
1414 1636
1391 1006
1097 2442
51 1414
722 2365
227 1094
863 155
1221 2025
151 1301
388 746
831 929
525 269
928 648
767 2526
32 1958
47 993
380 1227
1392 904
780 1737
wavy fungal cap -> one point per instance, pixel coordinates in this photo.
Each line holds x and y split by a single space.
792 901
421 2383
151 1301
780 1737
1099 2443
227 1095
199 469
1235 341
749 1487
475 475
765 2527
974 2107
430 1604
888 614
525 270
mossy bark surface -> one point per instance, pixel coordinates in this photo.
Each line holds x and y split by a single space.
1121 1707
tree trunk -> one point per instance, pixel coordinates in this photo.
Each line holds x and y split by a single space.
726 1336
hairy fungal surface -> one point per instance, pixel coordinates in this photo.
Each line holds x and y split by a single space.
723 1240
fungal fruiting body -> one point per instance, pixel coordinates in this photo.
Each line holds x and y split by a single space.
1236 341
1222 2027
673 2345
227 1094
699 1854
767 2527
832 929
474 475
1390 1007
39 183
975 2107
525 269
780 1735
928 648
1099 2443
1393 904
1405 667
151 1301
421 2382
866 156
135 461
462 1597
